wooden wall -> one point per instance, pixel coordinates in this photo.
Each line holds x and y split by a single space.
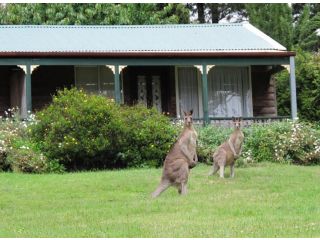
46 80
263 92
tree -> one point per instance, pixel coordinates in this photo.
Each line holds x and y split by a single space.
214 12
305 34
308 85
93 13
273 19
297 9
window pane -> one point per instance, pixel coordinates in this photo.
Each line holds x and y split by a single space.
87 79
106 82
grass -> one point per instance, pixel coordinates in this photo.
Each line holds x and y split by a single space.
269 200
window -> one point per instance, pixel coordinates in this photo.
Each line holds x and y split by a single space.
95 79
229 92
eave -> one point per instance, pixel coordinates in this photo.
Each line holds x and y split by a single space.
137 54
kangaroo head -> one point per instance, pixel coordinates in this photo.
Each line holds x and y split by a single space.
188 118
237 122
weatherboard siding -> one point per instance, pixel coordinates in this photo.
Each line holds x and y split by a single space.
263 92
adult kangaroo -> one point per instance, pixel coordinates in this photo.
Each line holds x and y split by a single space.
181 158
229 151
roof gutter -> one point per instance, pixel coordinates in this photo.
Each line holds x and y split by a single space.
146 54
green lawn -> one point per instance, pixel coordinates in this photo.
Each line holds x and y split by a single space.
268 200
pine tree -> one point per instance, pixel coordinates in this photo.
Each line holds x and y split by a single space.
306 35
273 19
93 13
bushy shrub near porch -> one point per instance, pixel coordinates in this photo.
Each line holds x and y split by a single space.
80 131
17 152
287 141
88 131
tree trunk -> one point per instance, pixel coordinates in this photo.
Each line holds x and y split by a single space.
214 12
200 8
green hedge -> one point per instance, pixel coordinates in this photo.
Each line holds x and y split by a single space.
78 131
295 142
88 131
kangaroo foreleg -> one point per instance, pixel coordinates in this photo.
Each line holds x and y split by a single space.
187 154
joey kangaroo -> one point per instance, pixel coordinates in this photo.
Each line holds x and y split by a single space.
181 158
229 151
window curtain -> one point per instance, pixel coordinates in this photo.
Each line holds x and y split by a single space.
188 90
229 92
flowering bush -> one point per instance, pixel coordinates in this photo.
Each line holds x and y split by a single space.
300 145
17 153
87 131
261 141
287 141
10 129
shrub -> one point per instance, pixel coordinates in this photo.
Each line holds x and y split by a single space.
262 140
300 145
148 136
209 138
308 83
26 160
17 153
77 128
10 129
87 131
276 142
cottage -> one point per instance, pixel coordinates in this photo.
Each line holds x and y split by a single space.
218 70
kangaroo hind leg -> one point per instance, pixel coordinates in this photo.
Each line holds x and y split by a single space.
214 169
164 184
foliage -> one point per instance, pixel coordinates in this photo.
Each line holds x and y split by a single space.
301 145
209 138
93 13
77 128
87 131
273 19
148 136
10 129
306 30
27 160
17 152
297 143
297 9
308 83
214 12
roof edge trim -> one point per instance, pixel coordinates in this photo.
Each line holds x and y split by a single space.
147 54
265 37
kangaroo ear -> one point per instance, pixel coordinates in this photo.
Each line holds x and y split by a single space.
185 113
233 119
191 111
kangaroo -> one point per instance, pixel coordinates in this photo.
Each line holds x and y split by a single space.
229 151
180 159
